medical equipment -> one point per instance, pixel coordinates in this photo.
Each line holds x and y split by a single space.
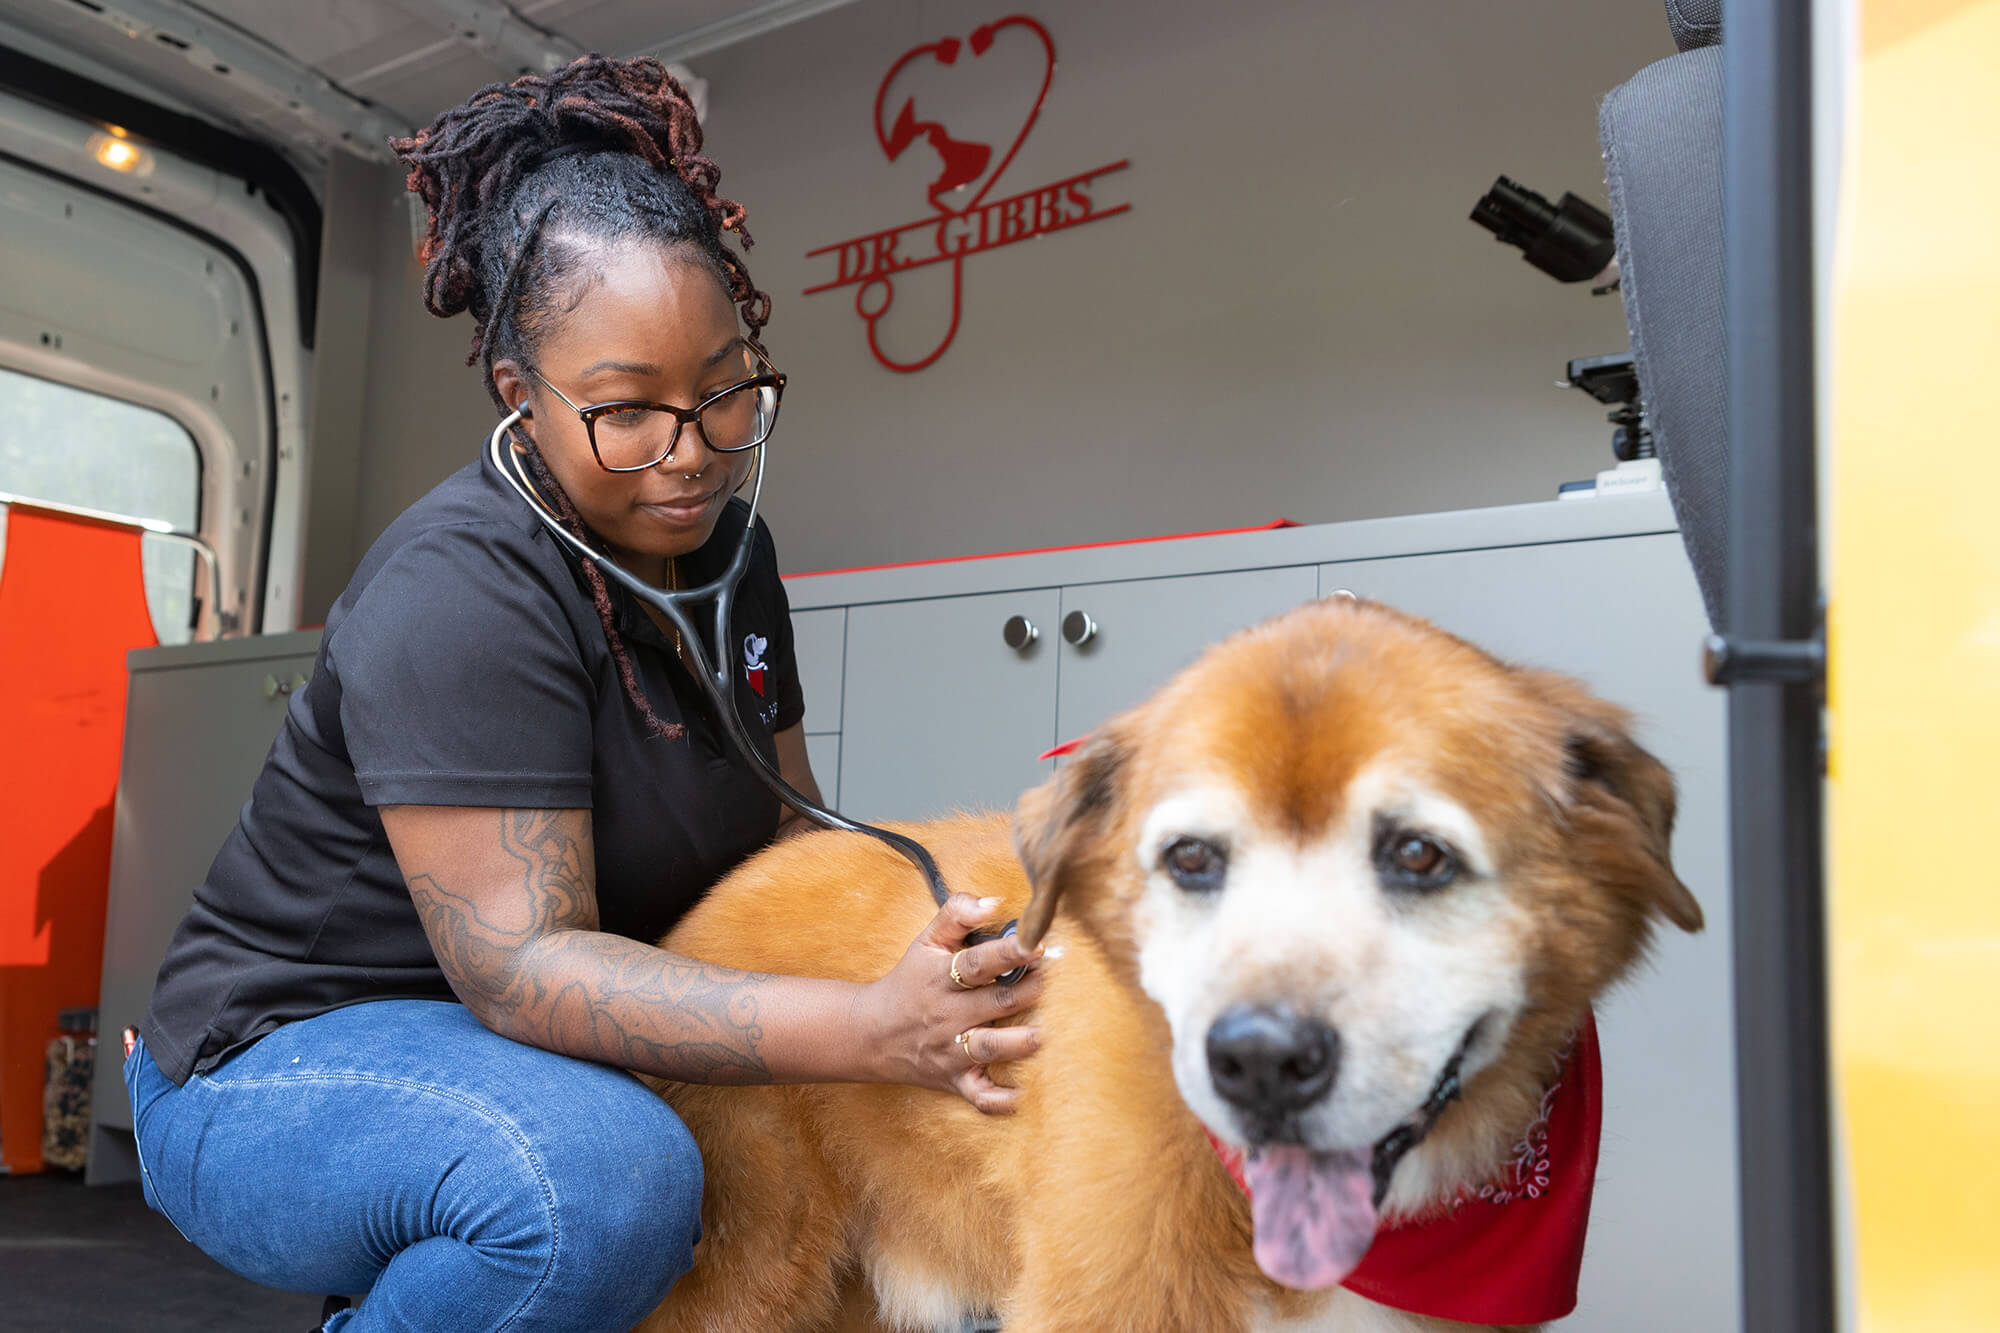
1570 241
714 678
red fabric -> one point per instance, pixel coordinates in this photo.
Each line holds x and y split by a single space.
1509 1253
1044 550
72 604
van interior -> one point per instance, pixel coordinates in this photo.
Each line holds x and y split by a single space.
1213 310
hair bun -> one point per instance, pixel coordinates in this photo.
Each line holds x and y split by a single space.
468 166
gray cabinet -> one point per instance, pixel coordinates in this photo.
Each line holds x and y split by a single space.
819 642
1139 632
823 753
939 712
199 721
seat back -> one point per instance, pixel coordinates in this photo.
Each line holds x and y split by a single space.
1662 136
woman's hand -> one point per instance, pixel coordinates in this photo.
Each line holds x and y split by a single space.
913 1017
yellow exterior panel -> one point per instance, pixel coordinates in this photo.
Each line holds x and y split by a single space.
1915 668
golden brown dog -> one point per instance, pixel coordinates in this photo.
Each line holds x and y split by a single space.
1339 850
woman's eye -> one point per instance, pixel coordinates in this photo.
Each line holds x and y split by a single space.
1416 860
1195 865
625 417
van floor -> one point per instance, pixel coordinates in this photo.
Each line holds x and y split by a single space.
78 1258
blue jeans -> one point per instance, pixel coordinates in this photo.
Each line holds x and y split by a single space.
400 1148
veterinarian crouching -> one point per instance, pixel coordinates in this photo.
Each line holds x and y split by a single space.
385 1052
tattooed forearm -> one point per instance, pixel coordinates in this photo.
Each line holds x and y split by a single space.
707 1028
527 956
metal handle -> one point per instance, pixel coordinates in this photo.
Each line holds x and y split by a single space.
1726 660
1019 632
1078 628
273 687
225 621
1347 594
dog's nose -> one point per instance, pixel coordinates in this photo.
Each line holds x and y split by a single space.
1265 1058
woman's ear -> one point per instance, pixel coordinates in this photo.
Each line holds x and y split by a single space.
512 385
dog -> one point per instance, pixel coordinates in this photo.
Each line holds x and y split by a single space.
1342 868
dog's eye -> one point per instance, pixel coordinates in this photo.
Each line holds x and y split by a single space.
1419 856
1195 865
1416 861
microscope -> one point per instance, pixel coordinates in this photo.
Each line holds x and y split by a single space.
1572 241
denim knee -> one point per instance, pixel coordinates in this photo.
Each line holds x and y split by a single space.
630 1213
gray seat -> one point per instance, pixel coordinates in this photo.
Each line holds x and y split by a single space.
1662 137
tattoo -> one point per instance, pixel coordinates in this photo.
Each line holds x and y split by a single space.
535 965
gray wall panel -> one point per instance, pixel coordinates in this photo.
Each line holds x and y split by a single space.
1295 318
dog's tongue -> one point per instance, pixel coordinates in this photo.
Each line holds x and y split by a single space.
1314 1213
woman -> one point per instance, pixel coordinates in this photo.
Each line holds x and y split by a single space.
384 1053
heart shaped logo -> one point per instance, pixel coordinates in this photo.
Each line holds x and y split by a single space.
963 162
961 101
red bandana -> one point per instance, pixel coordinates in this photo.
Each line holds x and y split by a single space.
1509 1252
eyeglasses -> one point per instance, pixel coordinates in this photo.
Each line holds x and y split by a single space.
631 435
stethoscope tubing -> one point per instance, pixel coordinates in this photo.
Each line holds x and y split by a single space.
714 678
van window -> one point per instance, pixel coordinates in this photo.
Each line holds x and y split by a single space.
81 448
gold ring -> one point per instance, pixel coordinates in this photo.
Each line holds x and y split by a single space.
956 979
964 1040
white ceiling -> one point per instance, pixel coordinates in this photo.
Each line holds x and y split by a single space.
318 75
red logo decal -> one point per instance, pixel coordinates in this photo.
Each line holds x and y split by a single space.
754 646
953 234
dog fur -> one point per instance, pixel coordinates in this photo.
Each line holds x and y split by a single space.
1100 1205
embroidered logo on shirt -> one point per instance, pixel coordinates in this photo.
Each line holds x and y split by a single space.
754 647
756 673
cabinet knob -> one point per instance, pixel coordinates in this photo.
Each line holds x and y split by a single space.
1078 628
1346 594
1019 632
273 686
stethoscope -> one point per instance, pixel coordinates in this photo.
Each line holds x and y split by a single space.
714 676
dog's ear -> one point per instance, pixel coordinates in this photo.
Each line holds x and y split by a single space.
1622 800
1057 823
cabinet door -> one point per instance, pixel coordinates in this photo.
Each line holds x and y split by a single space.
1144 630
939 712
819 640
1623 615
195 740
823 753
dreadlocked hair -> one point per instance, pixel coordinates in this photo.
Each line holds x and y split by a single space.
527 184
524 181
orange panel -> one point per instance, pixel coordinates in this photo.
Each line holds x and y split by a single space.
72 604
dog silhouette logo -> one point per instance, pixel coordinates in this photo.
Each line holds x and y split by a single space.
754 647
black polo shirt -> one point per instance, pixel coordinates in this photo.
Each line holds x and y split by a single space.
466 665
